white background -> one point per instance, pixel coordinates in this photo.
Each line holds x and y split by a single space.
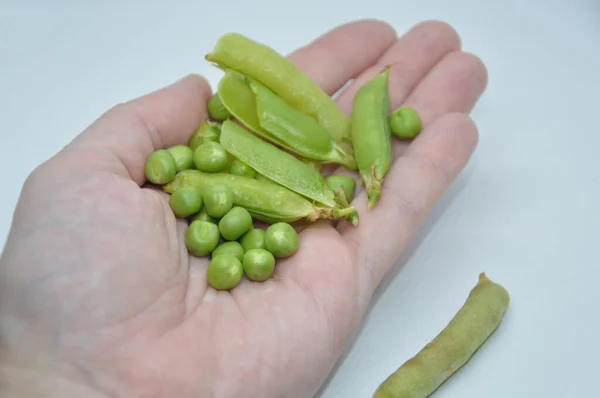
524 210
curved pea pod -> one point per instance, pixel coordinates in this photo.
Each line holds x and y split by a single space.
286 79
265 201
371 134
298 131
478 318
275 164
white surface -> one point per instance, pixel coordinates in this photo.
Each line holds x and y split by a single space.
525 210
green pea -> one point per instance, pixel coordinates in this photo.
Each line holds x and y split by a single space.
281 240
202 237
477 319
183 155
253 239
261 177
224 272
216 110
218 200
405 122
208 131
265 201
258 264
232 247
186 201
160 167
210 157
371 134
280 74
240 168
202 215
235 223
344 184
279 166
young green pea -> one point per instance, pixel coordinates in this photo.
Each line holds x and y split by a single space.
258 264
224 272
218 200
253 239
343 184
160 167
216 109
208 131
211 157
235 223
232 247
477 319
183 155
201 238
371 134
186 201
237 167
406 123
281 239
202 215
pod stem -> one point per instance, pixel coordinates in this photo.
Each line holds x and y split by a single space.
373 187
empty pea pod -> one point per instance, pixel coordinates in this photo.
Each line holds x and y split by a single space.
371 134
298 131
240 100
263 63
277 165
264 200
478 318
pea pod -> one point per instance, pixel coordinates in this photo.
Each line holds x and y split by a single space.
286 79
264 200
371 134
298 131
478 318
277 165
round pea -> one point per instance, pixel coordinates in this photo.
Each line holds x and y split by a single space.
208 131
281 239
210 157
216 109
202 237
235 223
237 167
218 200
405 122
224 272
258 264
185 201
202 215
232 247
347 183
253 239
183 155
160 167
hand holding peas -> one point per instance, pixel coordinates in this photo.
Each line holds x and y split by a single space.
96 261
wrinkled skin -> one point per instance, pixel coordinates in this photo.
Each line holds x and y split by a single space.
98 296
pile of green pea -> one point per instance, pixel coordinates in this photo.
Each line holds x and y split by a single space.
260 157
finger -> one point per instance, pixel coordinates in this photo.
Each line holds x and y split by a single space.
413 56
122 138
342 53
412 187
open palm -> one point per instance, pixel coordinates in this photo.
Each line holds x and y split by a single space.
97 289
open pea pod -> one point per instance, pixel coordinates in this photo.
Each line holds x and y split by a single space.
296 129
275 164
264 200
270 117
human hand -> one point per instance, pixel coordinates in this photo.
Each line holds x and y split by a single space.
98 296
